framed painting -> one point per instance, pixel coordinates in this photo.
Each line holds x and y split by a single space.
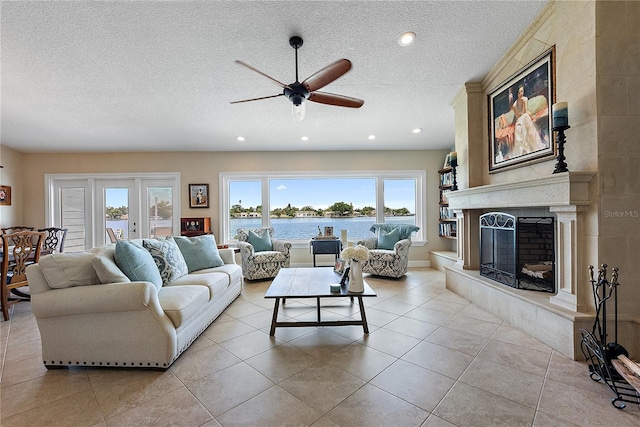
520 115
198 195
5 195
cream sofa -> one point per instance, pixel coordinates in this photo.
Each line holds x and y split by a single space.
90 314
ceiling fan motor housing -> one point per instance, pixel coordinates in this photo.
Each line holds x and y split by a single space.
296 93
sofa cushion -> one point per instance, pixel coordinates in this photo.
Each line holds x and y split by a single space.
217 282
107 269
260 242
234 271
68 269
182 303
386 240
137 263
199 252
167 257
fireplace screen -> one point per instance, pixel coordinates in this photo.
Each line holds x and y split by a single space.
518 252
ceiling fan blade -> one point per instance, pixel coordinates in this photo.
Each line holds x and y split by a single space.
327 75
256 99
333 99
282 85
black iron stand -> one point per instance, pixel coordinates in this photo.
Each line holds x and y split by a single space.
561 166
594 345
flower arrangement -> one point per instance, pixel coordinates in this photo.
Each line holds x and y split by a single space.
358 254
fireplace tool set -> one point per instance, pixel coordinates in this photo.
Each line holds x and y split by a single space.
597 351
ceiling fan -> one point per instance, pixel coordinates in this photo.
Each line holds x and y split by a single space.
298 92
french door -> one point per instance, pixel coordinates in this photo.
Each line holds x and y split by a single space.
130 206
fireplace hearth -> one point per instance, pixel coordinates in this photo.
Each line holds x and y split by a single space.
518 251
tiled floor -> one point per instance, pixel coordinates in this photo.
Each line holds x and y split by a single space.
431 359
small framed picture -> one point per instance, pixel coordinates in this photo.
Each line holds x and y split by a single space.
198 195
339 266
328 231
5 195
447 161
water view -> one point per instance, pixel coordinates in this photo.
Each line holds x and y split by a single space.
290 228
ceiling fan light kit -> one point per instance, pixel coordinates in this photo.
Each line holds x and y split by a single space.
297 92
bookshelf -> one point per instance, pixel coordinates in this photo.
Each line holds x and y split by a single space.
447 219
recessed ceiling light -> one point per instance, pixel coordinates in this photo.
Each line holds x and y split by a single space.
240 138
371 137
407 38
305 138
417 130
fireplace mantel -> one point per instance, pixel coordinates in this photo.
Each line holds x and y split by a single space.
564 189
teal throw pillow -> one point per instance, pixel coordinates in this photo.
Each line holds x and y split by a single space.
199 252
388 240
168 258
261 242
136 263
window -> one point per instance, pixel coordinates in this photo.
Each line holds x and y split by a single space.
132 206
298 206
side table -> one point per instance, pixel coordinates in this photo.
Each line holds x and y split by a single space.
326 247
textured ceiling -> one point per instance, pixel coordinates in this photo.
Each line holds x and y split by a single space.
156 76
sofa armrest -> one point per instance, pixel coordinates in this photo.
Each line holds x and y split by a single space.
246 249
228 255
108 298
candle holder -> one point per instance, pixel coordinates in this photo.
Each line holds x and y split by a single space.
454 165
561 166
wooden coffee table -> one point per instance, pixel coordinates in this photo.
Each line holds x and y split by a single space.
313 283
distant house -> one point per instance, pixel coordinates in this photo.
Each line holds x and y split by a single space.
306 214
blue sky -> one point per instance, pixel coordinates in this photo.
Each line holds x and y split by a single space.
322 193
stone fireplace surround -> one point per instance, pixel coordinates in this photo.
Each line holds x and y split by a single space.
553 319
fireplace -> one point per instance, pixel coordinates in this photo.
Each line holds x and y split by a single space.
518 251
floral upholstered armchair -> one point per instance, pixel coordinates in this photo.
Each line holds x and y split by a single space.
262 255
389 249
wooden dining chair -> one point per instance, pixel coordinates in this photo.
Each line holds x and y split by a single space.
15 229
112 235
53 240
18 251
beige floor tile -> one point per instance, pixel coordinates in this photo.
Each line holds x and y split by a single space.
376 317
274 407
23 350
371 406
390 342
178 407
241 308
435 421
118 390
395 307
281 362
463 323
584 407
567 371
220 392
469 406
446 306
361 361
320 343
439 359
22 370
248 345
544 420
79 409
429 315
322 386
462 341
515 336
412 327
504 380
55 386
228 330
418 386
524 359
199 364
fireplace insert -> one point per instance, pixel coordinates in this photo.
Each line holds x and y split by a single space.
518 251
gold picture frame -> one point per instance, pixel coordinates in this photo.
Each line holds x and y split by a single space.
5 195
